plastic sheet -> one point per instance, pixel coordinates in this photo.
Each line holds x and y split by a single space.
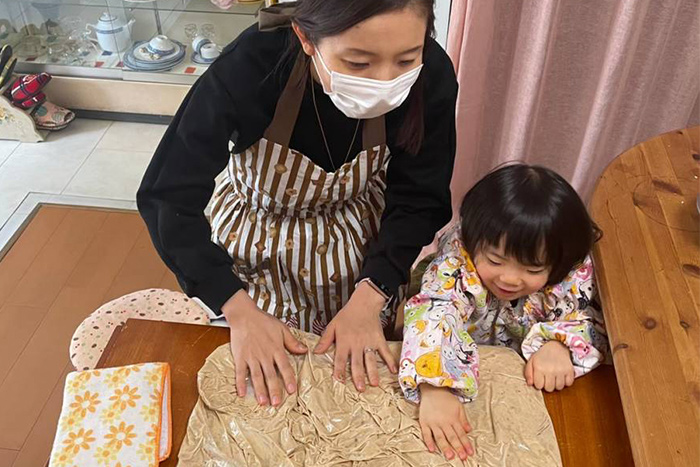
327 423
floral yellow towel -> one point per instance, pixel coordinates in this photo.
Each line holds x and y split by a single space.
115 417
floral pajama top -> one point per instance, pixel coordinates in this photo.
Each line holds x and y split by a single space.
454 312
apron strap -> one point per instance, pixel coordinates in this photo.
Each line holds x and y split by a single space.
373 132
288 105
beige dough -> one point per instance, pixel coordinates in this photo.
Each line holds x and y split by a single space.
330 424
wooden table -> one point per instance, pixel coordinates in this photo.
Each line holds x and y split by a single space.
648 268
587 417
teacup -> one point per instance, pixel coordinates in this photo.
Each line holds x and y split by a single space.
209 51
199 42
161 45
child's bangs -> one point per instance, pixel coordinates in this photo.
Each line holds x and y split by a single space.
526 241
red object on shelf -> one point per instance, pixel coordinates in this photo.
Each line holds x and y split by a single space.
31 102
28 86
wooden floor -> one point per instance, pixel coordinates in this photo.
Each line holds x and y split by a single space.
66 263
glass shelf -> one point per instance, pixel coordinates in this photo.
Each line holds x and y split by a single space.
57 36
192 6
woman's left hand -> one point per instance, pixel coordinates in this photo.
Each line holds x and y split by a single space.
358 336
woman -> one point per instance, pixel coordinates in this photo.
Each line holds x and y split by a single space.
343 144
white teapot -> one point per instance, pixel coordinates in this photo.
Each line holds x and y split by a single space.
113 34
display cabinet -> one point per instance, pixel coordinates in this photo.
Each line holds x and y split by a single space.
159 41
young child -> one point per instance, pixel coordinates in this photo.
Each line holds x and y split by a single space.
516 273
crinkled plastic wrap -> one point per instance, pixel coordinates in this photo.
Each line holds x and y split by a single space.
328 423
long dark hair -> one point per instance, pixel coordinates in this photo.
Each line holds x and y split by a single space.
323 18
536 211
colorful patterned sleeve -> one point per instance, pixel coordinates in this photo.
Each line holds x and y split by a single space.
573 318
437 349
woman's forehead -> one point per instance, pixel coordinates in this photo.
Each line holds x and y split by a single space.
386 35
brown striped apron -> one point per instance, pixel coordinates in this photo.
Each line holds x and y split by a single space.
298 234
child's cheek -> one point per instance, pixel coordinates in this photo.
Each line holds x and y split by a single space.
535 284
485 273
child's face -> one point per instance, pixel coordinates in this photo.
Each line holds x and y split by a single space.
505 277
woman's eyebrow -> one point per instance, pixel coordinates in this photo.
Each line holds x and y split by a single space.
414 49
356 51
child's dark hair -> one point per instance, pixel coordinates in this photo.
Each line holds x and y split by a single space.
536 211
323 18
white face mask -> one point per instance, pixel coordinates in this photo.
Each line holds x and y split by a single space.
364 97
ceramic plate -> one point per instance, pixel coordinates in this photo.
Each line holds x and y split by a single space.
141 54
153 66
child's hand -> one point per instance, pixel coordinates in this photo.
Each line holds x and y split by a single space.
550 367
442 420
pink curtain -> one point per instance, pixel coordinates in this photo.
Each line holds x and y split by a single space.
569 84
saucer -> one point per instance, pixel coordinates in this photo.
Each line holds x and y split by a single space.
196 58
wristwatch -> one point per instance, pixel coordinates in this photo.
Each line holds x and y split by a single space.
378 287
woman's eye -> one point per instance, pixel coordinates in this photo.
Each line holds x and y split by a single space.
495 263
407 62
535 271
357 65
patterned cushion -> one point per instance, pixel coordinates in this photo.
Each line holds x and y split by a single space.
93 334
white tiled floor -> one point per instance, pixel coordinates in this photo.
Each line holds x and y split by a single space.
91 158
110 174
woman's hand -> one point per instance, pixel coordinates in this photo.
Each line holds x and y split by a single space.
355 329
550 367
443 421
258 341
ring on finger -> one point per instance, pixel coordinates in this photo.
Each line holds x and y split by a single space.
370 350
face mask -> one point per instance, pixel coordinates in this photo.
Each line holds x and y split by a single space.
364 97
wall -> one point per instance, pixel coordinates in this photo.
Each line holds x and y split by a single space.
442 20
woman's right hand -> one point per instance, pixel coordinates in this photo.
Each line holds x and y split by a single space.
258 341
